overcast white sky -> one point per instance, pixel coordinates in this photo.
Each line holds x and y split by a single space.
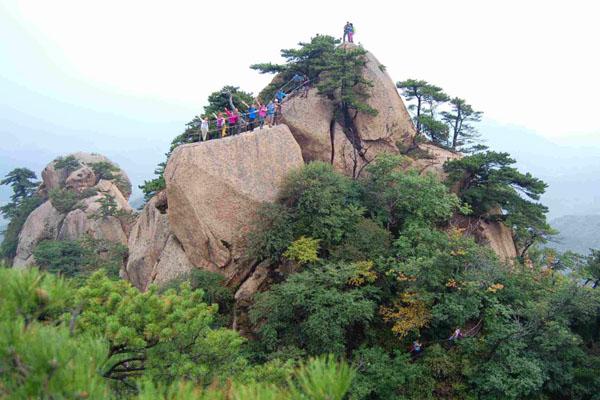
529 63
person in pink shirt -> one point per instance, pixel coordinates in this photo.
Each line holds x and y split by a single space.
232 120
221 126
262 114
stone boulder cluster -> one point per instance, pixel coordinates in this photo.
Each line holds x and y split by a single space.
83 179
214 190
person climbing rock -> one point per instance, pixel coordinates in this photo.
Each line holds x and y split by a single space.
262 114
271 113
204 128
456 335
416 349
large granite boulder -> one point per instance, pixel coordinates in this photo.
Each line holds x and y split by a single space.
42 224
312 121
155 254
215 188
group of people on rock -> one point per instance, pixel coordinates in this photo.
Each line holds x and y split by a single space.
233 122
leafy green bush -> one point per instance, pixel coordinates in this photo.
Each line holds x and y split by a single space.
109 171
303 250
64 200
79 258
315 310
68 163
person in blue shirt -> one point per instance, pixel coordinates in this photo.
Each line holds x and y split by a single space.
252 110
280 95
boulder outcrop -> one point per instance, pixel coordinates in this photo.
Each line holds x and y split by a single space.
48 223
82 177
312 121
494 234
215 188
155 254
433 159
42 224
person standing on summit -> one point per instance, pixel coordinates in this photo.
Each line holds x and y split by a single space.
346 27
350 33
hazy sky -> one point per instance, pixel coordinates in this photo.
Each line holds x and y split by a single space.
122 77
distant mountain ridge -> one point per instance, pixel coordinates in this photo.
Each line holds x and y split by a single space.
578 233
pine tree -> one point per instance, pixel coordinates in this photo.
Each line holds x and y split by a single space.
459 121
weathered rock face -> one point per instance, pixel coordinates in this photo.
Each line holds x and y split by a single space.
47 223
322 138
494 234
42 224
155 254
53 177
83 178
393 122
215 188
434 160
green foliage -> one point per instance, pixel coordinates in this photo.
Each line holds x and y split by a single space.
366 241
490 185
396 197
344 83
68 164
152 187
214 292
166 336
384 376
109 208
219 100
64 200
314 202
46 362
272 232
105 170
315 310
311 59
23 187
79 258
37 358
109 171
323 204
459 119
321 378
428 98
23 201
303 250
